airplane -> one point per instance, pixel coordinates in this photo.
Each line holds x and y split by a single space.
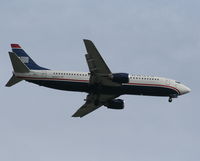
103 86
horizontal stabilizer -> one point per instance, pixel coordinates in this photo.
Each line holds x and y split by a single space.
13 80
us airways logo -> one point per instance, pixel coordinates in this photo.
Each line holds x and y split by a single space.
24 59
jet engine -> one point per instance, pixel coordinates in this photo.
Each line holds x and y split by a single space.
116 104
120 77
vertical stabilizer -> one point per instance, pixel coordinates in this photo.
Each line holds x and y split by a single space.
26 59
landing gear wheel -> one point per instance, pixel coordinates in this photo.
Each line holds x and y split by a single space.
170 99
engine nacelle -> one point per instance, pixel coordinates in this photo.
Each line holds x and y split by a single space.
120 77
116 104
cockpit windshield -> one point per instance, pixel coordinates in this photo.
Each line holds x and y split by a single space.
178 82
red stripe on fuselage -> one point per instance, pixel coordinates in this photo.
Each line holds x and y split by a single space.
87 81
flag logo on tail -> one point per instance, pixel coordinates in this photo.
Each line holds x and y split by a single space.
24 59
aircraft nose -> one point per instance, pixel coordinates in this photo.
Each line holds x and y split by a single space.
184 89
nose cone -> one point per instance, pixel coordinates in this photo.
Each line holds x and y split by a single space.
184 89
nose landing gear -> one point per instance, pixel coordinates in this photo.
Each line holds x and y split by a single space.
172 96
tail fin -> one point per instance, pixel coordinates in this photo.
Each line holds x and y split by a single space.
25 58
21 63
18 67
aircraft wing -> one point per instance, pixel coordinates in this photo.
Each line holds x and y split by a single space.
95 61
99 76
97 66
86 109
93 102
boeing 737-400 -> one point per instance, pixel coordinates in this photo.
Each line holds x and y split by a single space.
103 86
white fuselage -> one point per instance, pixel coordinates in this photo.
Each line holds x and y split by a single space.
83 77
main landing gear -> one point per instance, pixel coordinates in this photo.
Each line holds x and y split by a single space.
170 99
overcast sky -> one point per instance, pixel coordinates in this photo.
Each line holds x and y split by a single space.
160 38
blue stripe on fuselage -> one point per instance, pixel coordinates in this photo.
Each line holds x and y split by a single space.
124 89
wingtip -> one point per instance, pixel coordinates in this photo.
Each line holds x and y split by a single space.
76 116
87 40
